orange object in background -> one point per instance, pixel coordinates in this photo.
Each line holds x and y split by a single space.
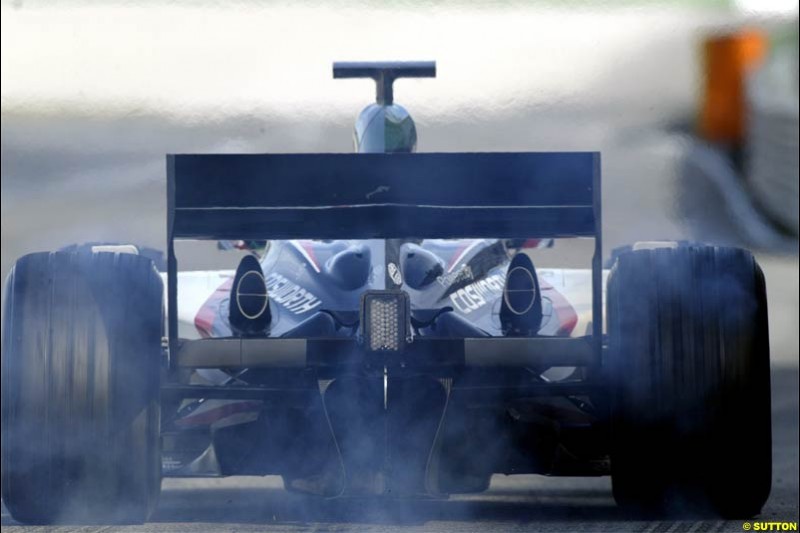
728 61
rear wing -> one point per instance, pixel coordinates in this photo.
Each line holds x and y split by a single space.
362 196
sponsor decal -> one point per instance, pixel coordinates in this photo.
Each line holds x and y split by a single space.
378 190
290 295
476 295
394 274
463 252
520 273
170 464
451 278
260 295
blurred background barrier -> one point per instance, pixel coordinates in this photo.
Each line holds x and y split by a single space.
750 113
729 60
772 146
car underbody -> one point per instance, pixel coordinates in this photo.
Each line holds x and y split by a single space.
410 434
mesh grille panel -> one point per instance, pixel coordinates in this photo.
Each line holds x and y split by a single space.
384 323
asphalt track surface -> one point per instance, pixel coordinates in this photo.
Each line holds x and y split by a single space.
513 503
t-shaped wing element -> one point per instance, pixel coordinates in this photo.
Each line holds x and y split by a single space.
384 73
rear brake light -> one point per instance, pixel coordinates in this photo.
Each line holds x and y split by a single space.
384 320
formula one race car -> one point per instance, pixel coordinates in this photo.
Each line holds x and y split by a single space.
389 335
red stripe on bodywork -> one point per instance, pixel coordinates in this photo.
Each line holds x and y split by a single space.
457 253
565 313
204 321
218 413
308 246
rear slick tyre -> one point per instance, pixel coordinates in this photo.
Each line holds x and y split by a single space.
689 360
80 388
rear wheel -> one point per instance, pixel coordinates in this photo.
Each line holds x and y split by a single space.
689 357
80 388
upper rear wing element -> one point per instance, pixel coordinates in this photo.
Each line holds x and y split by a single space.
362 196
